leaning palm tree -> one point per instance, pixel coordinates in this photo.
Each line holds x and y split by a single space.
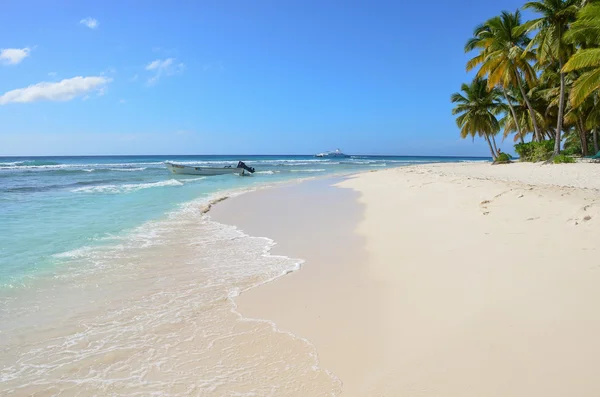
519 120
556 16
501 42
585 31
477 107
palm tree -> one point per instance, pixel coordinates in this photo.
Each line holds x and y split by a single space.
519 121
576 118
549 41
477 107
585 31
501 42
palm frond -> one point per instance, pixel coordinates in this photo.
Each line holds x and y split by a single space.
585 86
583 59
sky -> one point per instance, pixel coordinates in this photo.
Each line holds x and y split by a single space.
235 77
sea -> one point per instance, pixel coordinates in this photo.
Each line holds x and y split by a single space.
114 281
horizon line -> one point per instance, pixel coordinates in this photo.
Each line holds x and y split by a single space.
233 155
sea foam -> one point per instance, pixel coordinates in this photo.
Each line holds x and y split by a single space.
126 188
155 313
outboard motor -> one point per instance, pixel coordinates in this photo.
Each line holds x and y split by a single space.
241 164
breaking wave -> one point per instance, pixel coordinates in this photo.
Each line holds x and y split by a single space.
127 188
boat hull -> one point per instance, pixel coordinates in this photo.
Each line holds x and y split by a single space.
204 171
339 156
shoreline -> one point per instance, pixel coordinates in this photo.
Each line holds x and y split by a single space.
307 195
383 369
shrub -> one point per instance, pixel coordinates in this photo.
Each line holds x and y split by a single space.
563 158
524 150
572 150
535 151
540 153
503 158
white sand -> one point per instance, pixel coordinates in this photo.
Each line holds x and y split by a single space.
469 280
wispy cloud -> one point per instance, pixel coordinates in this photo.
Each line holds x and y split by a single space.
64 90
89 22
134 78
160 64
163 67
121 101
52 74
13 56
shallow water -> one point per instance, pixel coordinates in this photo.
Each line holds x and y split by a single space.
113 282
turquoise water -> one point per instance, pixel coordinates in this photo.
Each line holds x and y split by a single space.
53 205
114 282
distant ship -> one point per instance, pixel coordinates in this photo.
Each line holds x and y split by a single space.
334 153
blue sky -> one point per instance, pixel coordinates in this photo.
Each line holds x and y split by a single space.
228 77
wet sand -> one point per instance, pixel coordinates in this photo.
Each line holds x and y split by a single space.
315 221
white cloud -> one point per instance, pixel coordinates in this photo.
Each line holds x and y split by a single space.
158 64
64 90
89 22
13 56
163 67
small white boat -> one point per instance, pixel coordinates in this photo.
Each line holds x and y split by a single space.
240 169
334 153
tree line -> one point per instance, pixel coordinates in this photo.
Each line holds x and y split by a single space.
537 81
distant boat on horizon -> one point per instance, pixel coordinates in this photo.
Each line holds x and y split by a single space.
333 153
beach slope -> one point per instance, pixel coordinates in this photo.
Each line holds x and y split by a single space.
453 280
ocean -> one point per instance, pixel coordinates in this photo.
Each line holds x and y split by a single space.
113 281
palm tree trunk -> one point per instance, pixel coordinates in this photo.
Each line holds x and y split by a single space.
512 111
494 144
582 137
561 109
595 129
521 137
487 138
536 129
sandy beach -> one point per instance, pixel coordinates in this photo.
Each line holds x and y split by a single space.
438 280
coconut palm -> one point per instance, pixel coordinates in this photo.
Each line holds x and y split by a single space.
593 119
556 16
575 117
550 82
477 107
585 31
518 120
501 42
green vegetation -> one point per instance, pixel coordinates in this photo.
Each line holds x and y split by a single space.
503 158
477 108
541 79
562 158
535 151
